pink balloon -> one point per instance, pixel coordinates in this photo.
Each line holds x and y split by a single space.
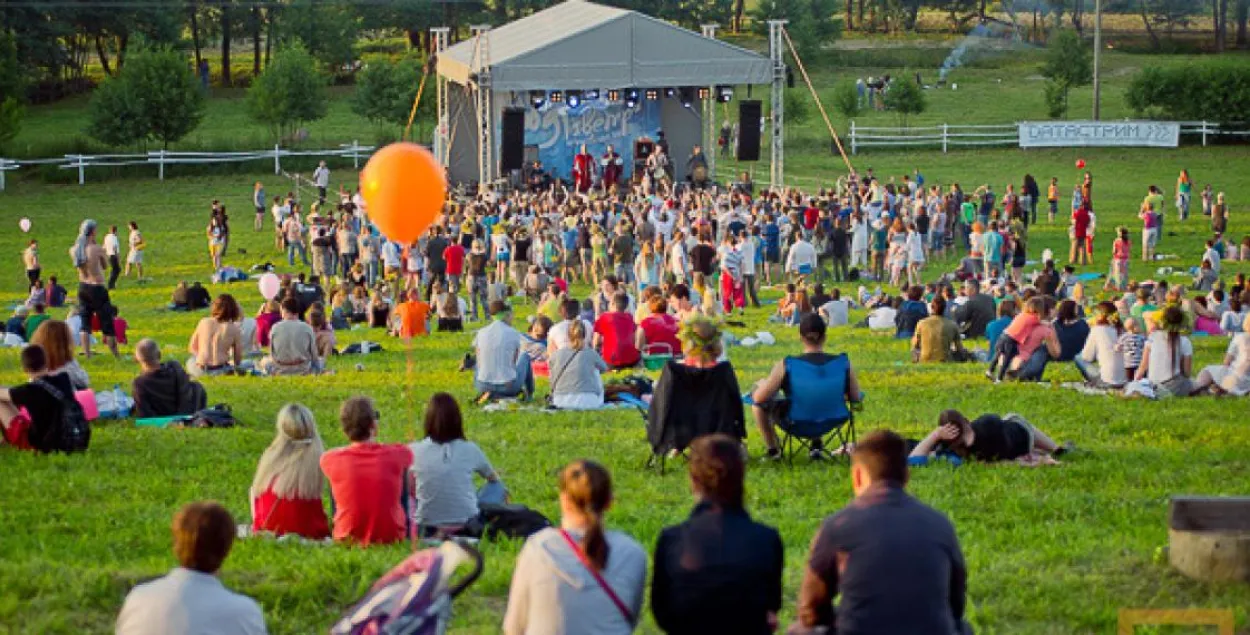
269 286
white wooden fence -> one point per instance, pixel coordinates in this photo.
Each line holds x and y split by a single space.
947 136
161 158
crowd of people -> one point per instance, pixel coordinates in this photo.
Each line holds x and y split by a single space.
665 272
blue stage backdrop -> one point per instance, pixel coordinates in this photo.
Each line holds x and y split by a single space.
559 131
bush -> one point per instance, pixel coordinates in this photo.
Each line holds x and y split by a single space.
1209 90
289 93
846 100
385 91
155 97
905 98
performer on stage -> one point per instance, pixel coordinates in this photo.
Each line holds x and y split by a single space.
583 170
612 168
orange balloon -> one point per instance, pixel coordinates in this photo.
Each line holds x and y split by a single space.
404 189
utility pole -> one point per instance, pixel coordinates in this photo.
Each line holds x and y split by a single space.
1097 54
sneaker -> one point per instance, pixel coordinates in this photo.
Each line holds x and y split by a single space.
772 456
989 374
817 454
483 399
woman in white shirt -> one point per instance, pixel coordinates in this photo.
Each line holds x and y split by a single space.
1232 378
441 476
1167 360
1102 361
578 579
135 255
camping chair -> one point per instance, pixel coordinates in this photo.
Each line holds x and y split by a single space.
818 414
688 403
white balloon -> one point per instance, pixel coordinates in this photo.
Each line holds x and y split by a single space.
24 224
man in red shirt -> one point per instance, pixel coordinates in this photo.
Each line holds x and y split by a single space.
811 216
614 334
1080 227
367 479
453 255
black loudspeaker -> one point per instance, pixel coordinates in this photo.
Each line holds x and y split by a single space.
512 147
749 130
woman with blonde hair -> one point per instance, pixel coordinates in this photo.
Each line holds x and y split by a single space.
57 341
286 491
575 373
578 578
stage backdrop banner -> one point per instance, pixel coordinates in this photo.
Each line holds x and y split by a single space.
560 131
1068 134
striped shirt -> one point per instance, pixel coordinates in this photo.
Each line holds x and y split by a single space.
730 261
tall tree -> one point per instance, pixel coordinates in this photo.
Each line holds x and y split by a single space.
227 7
193 13
1221 24
256 23
1243 12
326 30
12 89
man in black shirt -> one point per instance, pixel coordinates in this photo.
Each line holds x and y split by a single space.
976 312
1047 281
894 561
703 255
434 249
40 427
840 250
719 571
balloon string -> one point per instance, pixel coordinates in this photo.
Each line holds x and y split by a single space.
406 394
412 115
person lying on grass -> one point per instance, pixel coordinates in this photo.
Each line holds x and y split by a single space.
989 439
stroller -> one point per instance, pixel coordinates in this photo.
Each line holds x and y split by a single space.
415 597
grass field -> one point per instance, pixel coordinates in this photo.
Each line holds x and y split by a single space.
1054 550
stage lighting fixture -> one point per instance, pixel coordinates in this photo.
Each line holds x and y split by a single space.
670 91
573 98
631 97
724 94
652 94
614 94
592 94
556 97
687 96
538 98
704 92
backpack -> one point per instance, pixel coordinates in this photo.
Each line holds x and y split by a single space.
73 433
219 416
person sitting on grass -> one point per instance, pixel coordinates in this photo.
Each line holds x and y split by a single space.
990 438
286 490
767 408
719 571
1070 330
575 373
191 598
268 315
367 479
42 427
1168 357
446 307
937 337
882 552
578 577
441 476
614 334
324 333
58 343
411 318
38 315
216 346
1233 377
910 312
659 328
558 335
502 369
16 325
293 344
1006 312
1101 361
163 389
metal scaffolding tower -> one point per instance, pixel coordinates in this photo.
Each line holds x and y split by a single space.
485 106
442 134
710 133
776 53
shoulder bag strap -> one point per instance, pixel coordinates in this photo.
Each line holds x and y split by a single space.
555 379
56 394
603 584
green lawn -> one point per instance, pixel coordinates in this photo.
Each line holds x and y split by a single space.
1054 550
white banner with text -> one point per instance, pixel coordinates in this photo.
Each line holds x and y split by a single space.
1084 134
